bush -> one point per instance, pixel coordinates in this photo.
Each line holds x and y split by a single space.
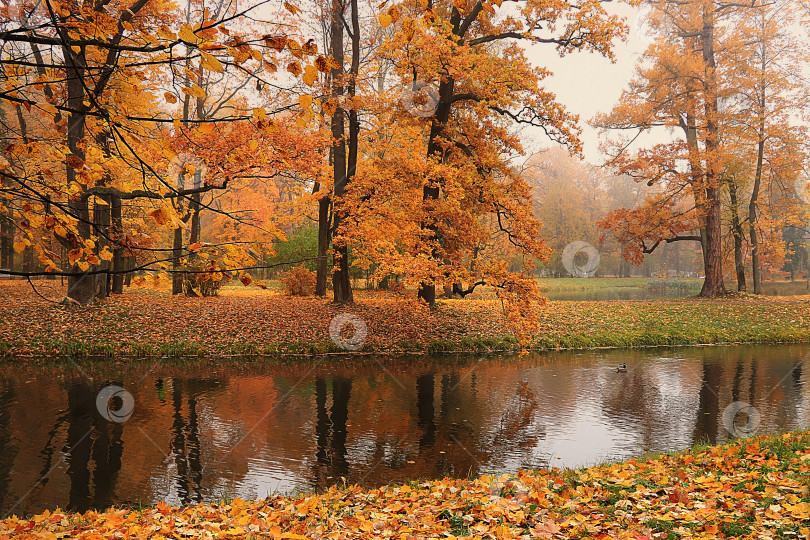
200 283
298 281
302 244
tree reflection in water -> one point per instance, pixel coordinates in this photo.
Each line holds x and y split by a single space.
246 430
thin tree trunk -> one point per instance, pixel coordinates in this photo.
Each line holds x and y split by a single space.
737 232
195 219
752 219
177 253
752 205
101 219
117 234
6 242
324 239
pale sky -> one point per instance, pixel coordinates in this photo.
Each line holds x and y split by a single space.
588 83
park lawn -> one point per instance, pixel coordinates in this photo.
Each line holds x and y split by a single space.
253 322
752 488
547 284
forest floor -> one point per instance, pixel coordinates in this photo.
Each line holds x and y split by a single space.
251 322
753 488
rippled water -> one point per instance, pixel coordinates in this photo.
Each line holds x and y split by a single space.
230 429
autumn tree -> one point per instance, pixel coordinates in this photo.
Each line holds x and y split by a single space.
675 88
94 73
692 68
436 187
765 132
481 77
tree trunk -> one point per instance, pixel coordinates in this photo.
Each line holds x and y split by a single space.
713 282
752 220
82 286
324 239
737 232
195 218
117 234
6 242
102 221
752 205
340 278
177 253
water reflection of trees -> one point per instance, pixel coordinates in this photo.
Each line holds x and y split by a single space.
8 448
91 443
363 423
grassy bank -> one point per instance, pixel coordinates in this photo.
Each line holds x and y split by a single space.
752 488
250 322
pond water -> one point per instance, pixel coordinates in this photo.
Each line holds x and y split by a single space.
204 431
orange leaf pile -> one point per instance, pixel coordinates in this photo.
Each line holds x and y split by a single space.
750 489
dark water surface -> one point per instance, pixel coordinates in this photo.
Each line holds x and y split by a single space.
204 431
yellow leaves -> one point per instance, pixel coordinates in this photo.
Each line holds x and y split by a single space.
259 113
165 33
329 107
187 34
292 8
161 215
385 20
310 75
106 254
20 245
322 64
210 62
245 279
305 100
294 68
276 42
195 91
74 162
